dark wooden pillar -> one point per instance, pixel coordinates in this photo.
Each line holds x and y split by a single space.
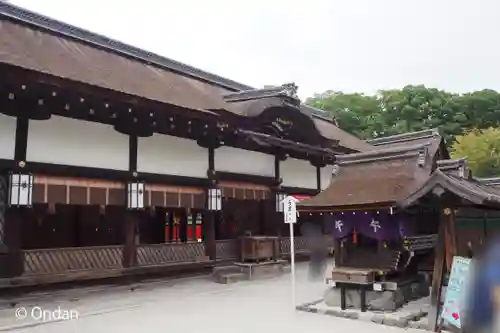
3 210
209 232
11 256
438 271
210 218
131 217
318 178
131 221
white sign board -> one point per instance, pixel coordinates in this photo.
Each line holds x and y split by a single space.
290 210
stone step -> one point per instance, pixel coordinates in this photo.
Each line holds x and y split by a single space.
230 278
226 270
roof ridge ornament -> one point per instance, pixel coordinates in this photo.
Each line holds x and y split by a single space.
458 167
287 90
290 90
422 156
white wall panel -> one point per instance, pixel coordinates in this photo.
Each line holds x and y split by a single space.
67 141
298 173
326 176
7 136
170 155
242 161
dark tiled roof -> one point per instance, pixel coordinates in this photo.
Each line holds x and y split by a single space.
377 177
454 177
36 42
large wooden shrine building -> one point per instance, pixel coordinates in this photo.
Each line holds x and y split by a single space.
114 158
402 211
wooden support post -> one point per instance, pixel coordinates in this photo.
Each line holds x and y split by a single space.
12 258
343 302
209 224
450 238
130 247
438 274
363 298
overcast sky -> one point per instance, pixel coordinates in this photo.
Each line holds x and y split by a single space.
348 45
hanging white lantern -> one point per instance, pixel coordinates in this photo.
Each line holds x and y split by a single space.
20 189
280 197
214 201
135 195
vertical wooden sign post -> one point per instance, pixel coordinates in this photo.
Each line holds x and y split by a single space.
290 215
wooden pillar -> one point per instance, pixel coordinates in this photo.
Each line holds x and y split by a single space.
3 210
210 216
450 238
11 256
131 220
438 272
318 178
209 226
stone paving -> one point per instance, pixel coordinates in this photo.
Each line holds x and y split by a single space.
189 305
413 314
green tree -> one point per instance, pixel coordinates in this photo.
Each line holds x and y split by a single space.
354 112
412 108
482 150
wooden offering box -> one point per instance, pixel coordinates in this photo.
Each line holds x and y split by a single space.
259 248
353 275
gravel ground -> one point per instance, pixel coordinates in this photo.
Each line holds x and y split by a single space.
187 305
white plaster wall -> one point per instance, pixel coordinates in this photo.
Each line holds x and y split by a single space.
67 141
7 136
298 173
242 161
170 155
326 176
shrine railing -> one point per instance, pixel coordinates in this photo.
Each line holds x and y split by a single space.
172 253
65 260
301 245
227 249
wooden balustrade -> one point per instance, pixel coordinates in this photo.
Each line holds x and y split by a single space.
66 260
171 253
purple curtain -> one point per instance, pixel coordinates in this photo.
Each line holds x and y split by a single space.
341 224
379 226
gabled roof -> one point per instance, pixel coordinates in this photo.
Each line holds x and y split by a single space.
382 176
454 177
38 43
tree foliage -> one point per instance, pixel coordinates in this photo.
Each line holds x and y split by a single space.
409 109
482 150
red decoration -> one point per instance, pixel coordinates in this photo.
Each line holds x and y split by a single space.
455 315
354 237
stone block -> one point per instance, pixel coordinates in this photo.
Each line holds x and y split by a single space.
396 322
